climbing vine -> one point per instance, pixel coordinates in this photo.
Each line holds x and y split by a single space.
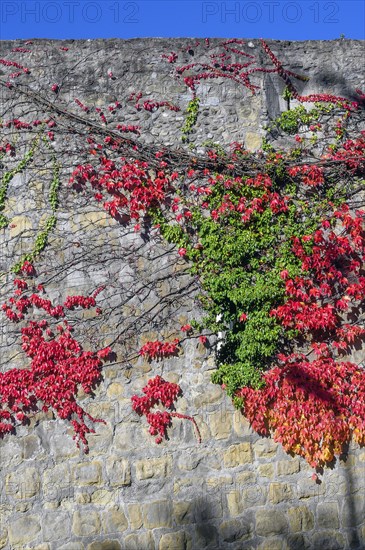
58 367
276 240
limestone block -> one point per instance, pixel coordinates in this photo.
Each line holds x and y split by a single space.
245 497
86 523
266 470
30 446
56 526
174 541
89 220
362 534
72 546
83 498
279 492
275 543
253 141
183 512
353 511
235 503
327 515
118 471
214 482
241 425
306 488
115 390
212 394
105 545
103 497
265 448
237 455
3 537
244 478
24 529
23 484
138 542
154 468
54 479
157 514
220 424
208 506
287 467
206 536
270 522
19 224
298 541
236 530
87 473
300 519
190 461
328 540
114 520
135 516
63 447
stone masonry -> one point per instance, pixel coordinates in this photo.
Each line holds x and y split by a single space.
234 490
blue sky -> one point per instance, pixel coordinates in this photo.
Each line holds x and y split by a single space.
277 19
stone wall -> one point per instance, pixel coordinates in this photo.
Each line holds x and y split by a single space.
234 490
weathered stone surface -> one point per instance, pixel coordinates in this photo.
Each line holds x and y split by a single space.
23 484
157 514
274 543
220 424
137 542
300 519
270 522
103 497
56 482
253 141
353 510
87 473
279 492
56 526
236 530
83 498
298 541
237 455
118 471
287 467
135 516
189 462
328 540
327 515
183 512
72 546
30 446
265 448
178 540
154 467
307 489
86 523
239 500
114 520
24 529
235 503
3 537
266 470
105 545
206 535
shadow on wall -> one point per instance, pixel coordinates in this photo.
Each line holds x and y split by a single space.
198 526
328 80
